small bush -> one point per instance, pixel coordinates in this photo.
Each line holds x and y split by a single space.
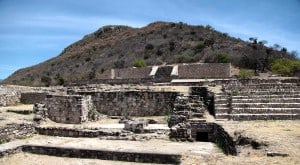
159 52
171 45
182 58
222 58
119 64
46 80
139 63
87 59
149 47
199 46
245 73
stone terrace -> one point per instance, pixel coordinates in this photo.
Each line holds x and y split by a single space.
259 101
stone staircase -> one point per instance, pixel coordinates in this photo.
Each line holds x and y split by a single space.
186 108
261 101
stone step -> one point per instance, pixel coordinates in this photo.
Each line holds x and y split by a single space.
266 100
221 105
267 92
223 101
266 105
221 110
270 116
266 110
222 116
265 96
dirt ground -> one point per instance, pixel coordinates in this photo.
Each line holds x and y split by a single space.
10 117
279 136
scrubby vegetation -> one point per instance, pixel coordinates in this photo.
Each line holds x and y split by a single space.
285 67
158 43
139 63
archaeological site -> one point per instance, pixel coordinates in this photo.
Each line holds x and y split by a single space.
196 113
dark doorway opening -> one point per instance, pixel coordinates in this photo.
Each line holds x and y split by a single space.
202 136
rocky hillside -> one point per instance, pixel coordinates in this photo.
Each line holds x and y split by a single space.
158 43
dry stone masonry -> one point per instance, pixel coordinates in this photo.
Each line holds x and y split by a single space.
262 100
68 108
133 103
12 94
14 131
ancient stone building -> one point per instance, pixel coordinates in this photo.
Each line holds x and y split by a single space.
68 108
133 103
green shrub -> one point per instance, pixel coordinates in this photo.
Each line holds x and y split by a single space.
222 58
245 73
200 46
46 80
185 58
139 63
285 67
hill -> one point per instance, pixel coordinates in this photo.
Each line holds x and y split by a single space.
156 44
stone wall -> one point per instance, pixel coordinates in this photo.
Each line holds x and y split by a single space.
215 133
204 70
224 140
13 131
130 73
33 97
133 103
6 99
68 108
12 94
76 132
163 73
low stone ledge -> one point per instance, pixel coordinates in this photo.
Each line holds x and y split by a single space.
23 112
142 157
75 132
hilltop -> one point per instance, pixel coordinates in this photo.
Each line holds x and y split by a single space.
156 44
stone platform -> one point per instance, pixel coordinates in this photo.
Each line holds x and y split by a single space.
154 151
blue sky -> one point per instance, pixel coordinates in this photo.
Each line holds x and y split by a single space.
33 31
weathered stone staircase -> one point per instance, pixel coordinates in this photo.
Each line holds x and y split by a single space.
259 101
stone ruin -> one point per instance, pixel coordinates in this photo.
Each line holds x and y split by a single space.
238 100
259 100
187 123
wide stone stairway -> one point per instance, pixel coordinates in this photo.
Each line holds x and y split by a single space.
259 101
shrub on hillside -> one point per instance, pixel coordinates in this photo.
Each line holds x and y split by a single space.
285 67
222 58
183 58
139 63
199 46
218 58
46 80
